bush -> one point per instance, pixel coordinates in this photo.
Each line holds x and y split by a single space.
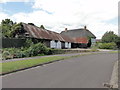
36 49
6 55
107 46
9 53
28 43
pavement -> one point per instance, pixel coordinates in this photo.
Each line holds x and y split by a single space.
88 71
114 77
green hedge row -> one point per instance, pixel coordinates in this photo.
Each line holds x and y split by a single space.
107 46
34 50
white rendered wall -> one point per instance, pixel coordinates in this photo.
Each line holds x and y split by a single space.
59 45
66 45
69 45
52 44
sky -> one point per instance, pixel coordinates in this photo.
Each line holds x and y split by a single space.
99 16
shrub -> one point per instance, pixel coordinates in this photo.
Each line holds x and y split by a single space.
28 42
33 50
9 53
107 46
37 49
6 55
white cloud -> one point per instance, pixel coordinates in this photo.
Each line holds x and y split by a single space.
3 16
72 14
93 13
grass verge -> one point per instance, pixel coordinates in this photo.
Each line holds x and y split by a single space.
113 51
17 65
13 66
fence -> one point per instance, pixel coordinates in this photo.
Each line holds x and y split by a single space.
7 42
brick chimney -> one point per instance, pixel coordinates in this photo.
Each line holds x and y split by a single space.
66 29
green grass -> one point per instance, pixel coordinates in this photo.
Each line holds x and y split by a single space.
113 52
15 65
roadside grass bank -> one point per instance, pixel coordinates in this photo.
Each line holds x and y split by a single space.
14 66
114 51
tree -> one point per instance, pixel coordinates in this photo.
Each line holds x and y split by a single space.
9 29
16 29
42 27
7 21
6 26
109 37
117 41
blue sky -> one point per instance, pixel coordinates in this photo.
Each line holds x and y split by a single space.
59 14
113 21
16 7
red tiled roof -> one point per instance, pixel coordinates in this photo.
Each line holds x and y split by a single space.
81 40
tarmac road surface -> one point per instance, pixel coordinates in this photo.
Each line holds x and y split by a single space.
88 71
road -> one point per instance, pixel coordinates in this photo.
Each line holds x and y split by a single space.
88 71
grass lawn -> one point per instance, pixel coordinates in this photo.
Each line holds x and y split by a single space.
113 51
15 65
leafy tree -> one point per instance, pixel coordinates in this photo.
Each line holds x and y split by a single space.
16 29
7 21
6 26
9 29
109 37
42 27
117 41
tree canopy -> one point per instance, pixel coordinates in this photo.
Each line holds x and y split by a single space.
109 36
9 28
6 27
42 27
117 41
